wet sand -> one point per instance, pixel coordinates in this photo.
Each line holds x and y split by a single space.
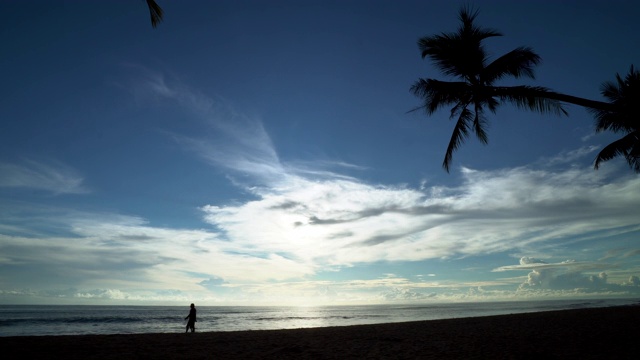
604 333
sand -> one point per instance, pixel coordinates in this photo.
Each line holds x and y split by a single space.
603 333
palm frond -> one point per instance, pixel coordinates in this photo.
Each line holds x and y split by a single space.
612 90
492 104
623 89
467 16
452 55
615 121
628 146
155 11
459 53
623 116
624 95
437 94
479 125
459 135
517 63
455 111
534 98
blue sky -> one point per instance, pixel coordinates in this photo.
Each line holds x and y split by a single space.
262 152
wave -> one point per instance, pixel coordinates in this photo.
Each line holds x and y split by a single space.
17 320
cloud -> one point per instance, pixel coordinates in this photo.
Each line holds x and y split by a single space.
348 221
631 253
396 294
528 263
548 279
633 281
571 156
569 276
307 214
52 177
229 140
529 260
212 282
124 252
304 218
93 296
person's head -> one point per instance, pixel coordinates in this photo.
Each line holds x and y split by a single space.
192 305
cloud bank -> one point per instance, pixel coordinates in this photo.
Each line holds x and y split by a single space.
305 218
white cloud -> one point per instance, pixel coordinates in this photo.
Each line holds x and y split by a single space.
633 281
399 294
569 276
553 280
98 250
529 260
341 222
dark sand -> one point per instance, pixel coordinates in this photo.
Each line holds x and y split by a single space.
604 333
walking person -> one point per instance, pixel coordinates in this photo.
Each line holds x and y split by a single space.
192 319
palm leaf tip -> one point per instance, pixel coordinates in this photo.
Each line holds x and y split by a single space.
155 11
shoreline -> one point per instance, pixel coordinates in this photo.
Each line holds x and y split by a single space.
590 333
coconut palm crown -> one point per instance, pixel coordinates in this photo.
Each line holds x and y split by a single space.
624 94
461 55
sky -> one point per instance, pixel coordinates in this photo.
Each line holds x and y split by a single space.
265 153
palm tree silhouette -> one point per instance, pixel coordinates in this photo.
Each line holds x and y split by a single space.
461 54
624 94
155 11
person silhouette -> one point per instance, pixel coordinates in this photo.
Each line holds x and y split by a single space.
192 319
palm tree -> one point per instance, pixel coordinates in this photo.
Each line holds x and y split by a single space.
624 94
461 54
155 11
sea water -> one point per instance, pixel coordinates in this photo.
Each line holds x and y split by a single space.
32 320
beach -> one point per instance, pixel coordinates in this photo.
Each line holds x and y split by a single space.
595 333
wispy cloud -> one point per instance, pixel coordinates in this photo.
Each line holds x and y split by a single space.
571 156
535 264
229 140
52 176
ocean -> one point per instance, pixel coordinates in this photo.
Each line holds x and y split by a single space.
35 320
